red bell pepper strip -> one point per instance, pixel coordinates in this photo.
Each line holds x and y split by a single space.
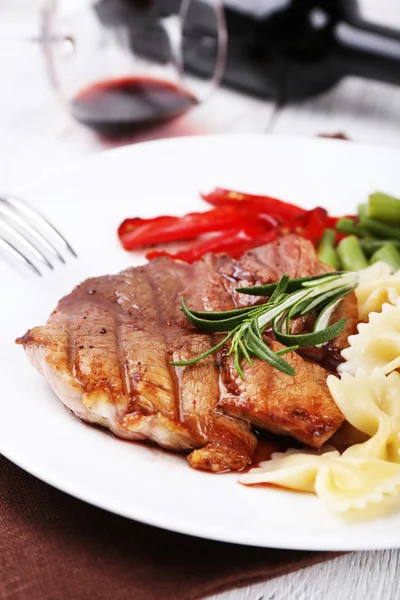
266 204
232 242
157 231
315 225
331 222
311 225
132 224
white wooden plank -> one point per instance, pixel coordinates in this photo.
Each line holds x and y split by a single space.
366 111
384 12
357 576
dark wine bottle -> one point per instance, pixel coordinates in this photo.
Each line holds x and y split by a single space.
291 50
299 48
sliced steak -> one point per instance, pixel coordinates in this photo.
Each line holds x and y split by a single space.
300 406
348 308
107 350
290 254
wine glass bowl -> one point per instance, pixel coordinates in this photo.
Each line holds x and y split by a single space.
123 65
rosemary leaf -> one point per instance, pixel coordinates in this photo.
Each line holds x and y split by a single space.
278 309
263 351
288 298
325 316
293 286
237 364
216 316
209 325
324 299
287 350
245 352
280 288
315 338
256 328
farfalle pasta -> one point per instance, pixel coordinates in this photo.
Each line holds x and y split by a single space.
371 403
377 287
365 473
376 347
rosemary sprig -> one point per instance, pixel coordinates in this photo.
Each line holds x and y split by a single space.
288 298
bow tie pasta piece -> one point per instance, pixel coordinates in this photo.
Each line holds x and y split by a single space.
293 470
345 484
377 344
371 404
376 287
341 483
365 473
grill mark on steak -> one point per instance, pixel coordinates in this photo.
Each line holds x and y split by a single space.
121 356
163 320
166 307
121 361
70 334
156 300
145 367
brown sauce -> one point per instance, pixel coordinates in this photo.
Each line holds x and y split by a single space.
268 444
327 357
347 436
335 136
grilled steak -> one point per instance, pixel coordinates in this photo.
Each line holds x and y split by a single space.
290 254
297 406
106 352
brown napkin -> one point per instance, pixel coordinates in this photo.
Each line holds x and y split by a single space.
54 547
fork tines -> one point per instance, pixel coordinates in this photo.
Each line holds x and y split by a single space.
29 238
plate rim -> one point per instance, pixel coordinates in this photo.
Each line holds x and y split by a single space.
76 164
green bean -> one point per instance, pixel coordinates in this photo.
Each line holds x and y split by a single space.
379 229
348 227
326 249
351 254
384 208
388 254
362 211
370 245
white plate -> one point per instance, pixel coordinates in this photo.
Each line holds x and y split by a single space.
87 202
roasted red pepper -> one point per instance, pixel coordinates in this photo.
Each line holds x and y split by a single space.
241 221
171 229
315 225
233 242
282 211
133 224
310 225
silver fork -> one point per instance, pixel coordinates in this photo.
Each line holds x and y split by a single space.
30 239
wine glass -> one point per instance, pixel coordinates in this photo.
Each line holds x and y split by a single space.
123 65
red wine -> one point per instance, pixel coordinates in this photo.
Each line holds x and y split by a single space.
122 106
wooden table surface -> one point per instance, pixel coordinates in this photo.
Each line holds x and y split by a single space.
38 137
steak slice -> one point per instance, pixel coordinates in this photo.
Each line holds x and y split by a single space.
289 254
348 308
106 352
299 406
